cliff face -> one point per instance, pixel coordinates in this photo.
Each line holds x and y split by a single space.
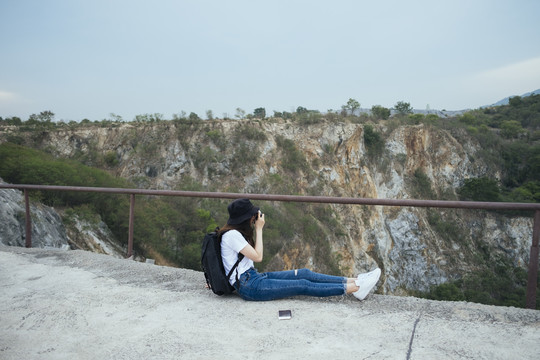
48 231
415 247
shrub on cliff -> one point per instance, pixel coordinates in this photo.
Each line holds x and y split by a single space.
480 189
374 141
501 284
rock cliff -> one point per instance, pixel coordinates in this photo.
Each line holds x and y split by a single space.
47 231
415 247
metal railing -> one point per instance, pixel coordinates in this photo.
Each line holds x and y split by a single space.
533 261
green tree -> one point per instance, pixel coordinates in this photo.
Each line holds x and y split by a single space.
240 113
13 121
468 119
380 112
287 115
115 118
403 108
480 189
46 116
373 140
194 117
182 116
301 110
111 159
511 129
515 101
143 118
351 106
149 117
416 118
260 113
446 291
530 192
44 119
422 188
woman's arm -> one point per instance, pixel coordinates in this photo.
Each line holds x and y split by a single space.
256 253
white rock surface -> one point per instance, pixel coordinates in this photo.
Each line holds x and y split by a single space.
81 305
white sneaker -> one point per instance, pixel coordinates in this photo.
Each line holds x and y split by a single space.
366 282
366 275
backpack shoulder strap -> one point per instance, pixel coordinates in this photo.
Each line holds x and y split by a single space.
240 257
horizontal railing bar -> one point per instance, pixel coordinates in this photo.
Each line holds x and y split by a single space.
292 198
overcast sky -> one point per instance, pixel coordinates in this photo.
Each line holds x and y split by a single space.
88 59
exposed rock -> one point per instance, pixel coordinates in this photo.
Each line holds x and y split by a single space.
409 255
47 227
95 237
412 252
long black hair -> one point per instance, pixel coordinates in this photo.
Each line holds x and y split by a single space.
243 228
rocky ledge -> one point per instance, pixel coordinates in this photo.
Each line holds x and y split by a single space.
77 304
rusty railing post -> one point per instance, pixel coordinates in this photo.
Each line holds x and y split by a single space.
533 263
28 240
131 220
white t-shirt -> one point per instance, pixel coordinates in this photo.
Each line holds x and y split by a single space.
232 243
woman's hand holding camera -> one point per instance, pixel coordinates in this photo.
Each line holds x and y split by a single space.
259 221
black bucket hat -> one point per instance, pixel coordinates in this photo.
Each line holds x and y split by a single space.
241 210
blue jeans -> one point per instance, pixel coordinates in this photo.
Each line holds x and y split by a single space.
256 286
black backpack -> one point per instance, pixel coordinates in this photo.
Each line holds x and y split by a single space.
212 264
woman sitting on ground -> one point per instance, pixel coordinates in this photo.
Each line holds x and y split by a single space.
237 236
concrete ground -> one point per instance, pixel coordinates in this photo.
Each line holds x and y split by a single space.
80 305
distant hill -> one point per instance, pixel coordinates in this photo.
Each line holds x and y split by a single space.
506 100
